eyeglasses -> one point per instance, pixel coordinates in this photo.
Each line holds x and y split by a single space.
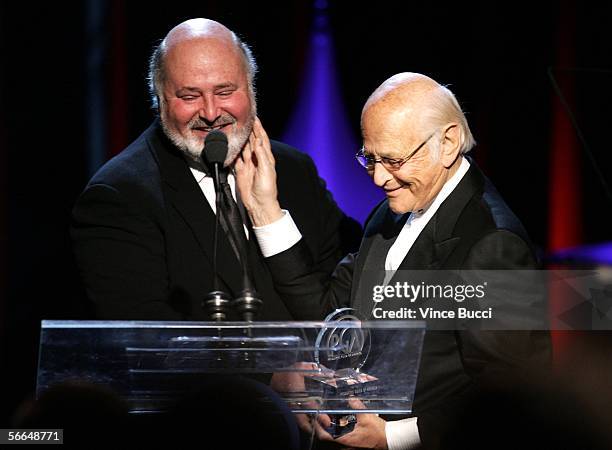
391 164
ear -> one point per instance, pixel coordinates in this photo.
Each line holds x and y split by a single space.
451 139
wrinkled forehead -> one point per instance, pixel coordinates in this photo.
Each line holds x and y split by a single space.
389 126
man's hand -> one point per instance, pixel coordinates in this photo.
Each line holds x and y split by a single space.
293 382
256 178
369 431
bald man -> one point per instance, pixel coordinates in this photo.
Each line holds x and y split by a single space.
143 227
440 213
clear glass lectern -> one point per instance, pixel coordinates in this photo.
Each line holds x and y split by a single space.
313 366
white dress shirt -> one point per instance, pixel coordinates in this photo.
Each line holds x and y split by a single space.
404 434
273 238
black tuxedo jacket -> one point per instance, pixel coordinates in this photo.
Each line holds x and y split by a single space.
142 233
472 229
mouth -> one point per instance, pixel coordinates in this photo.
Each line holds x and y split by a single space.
206 130
392 192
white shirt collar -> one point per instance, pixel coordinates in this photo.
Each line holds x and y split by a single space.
446 190
208 187
198 174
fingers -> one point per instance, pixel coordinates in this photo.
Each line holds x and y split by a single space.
355 403
321 433
243 163
306 422
324 420
247 151
262 148
260 132
303 422
239 165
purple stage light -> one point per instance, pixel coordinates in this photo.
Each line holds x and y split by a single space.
319 125
600 254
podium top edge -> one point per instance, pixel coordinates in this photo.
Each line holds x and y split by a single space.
378 324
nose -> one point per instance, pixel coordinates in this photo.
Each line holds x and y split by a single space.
380 175
209 111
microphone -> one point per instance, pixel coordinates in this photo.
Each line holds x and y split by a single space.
213 154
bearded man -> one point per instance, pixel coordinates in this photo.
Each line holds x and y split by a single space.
143 228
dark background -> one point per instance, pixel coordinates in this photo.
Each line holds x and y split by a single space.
495 57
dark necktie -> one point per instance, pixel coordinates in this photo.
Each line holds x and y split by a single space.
233 218
234 224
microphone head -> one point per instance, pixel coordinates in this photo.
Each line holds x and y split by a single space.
215 148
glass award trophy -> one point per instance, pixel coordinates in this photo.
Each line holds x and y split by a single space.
341 354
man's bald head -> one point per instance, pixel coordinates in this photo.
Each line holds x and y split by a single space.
197 28
414 102
194 32
413 136
402 90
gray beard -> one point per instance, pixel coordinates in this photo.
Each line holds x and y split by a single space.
192 147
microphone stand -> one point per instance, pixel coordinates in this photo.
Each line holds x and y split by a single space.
217 302
248 302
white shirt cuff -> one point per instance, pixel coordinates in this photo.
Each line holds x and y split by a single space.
278 236
403 434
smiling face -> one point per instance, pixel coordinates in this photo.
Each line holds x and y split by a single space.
396 120
416 183
205 88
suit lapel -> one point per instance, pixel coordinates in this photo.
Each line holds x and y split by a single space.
438 240
184 194
379 235
381 231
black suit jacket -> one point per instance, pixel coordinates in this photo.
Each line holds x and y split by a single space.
142 233
472 229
